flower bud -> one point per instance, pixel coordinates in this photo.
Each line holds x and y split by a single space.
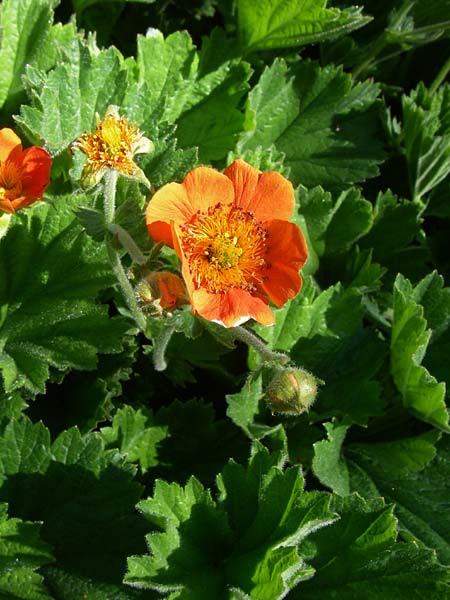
292 391
161 290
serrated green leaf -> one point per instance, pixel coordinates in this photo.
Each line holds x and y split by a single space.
87 81
413 473
334 225
359 556
323 123
24 27
137 435
328 465
50 274
279 24
426 131
420 391
22 551
206 547
194 90
84 495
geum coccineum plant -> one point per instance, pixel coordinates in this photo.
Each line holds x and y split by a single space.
232 234
24 174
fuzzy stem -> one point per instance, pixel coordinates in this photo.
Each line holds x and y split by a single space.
128 243
244 335
109 206
160 347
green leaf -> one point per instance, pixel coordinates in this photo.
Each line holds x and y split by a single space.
245 541
84 496
328 465
420 391
66 98
279 24
359 557
413 473
334 225
50 274
24 27
195 90
426 131
324 123
21 552
136 435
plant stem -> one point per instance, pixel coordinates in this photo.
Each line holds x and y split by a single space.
128 243
109 197
443 72
109 207
244 335
160 347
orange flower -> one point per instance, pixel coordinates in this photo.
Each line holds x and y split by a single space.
233 236
24 174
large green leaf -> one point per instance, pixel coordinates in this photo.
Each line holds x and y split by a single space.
324 123
50 275
65 99
197 90
280 24
426 132
24 27
84 495
360 557
413 473
420 391
21 552
246 541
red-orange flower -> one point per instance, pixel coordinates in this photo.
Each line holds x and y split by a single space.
24 174
233 236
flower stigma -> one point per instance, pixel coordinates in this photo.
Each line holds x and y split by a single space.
225 248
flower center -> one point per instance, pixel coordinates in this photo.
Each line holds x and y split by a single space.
225 247
10 181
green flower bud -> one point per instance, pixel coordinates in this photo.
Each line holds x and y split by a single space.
292 391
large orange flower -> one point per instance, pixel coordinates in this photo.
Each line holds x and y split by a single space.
24 174
233 236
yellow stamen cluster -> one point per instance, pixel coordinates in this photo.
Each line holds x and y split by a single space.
10 181
225 247
111 145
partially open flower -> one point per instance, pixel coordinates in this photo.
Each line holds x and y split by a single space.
161 290
113 145
24 174
233 236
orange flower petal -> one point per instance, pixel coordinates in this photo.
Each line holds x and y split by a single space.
6 206
8 142
231 308
267 195
286 255
170 205
206 187
35 164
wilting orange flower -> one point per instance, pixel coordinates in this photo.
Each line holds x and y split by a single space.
233 236
113 145
24 174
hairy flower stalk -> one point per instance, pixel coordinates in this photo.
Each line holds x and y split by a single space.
110 152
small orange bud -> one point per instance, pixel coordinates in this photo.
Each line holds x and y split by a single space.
292 391
161 290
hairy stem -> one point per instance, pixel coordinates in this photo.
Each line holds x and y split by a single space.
244 335
109 206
